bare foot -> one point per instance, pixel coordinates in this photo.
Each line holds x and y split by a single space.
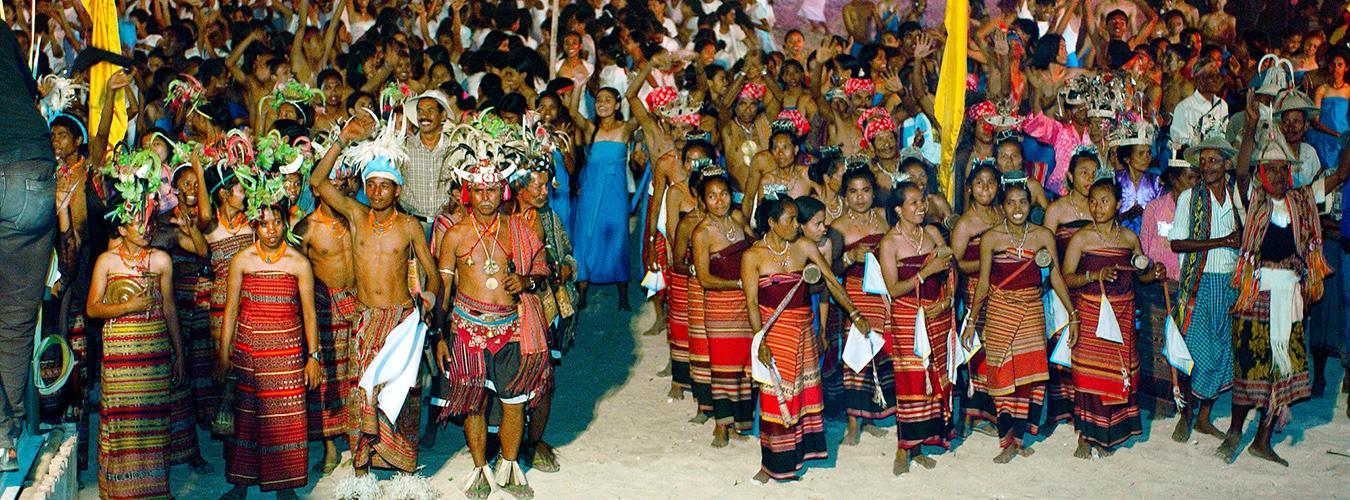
545 460
761 477
901 463
1206 427
984 427
200 466
874 430
1183 431
1266 453
924 460
699 418
481 487
1006 455
1084 450
1025 452
736 435
1104 452
428 437
1228 449
720 436
675 392
851 434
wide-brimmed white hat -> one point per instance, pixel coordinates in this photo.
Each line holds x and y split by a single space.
410 104
1215 142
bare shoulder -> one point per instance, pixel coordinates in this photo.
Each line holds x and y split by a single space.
160 261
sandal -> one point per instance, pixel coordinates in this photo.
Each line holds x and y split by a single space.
511 479
478 486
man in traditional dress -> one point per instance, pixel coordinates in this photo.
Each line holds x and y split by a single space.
381 240
557 296
324 238
1205 234
495 263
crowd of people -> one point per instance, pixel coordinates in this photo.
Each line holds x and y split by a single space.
266 216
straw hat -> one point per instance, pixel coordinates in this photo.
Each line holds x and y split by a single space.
1292 100
1215 142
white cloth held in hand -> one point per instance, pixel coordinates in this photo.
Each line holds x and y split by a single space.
872 281
1108 328
922 347
1174 348
1063 354
396 366
654 282
1057 317
859 349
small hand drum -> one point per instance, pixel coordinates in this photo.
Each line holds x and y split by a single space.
122 290
1043 258
811 274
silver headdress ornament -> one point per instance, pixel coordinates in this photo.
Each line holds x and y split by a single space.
855 162
912 153
1005 115
386 145
1275 79
1132 133
900 177
61 93
541 141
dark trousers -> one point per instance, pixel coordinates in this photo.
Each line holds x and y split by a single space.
27 231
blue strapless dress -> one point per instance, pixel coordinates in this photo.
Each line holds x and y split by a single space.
600 242
560 198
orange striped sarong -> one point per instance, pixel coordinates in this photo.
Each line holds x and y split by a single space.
1105 374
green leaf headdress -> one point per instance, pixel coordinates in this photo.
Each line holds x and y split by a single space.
136 177
291 92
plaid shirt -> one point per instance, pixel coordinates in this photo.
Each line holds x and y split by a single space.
426 177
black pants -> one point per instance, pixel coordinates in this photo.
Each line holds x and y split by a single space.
27 231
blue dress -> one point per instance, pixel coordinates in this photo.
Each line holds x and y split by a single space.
600 242
1335 113
560 198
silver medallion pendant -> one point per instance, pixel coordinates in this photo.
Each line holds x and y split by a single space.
491 283
491 267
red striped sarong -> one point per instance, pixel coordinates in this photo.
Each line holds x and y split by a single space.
727 321
1013 362
700 364
379 442
1105 374
222 251
192 298
978 405
923 409
133 431
269 448
335 308
787 441
677 317
859 387
1060 388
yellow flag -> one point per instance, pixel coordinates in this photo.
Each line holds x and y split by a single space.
950 101
106 37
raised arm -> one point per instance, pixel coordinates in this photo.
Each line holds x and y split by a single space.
358 128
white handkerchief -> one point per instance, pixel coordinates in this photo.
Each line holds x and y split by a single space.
922 348
1056 317
1174 348
957 354
859 349
1107 326
760 372
872 282
396 366
654 282
1063 353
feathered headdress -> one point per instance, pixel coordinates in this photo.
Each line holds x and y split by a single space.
276 154
541 141
291 92
385 147
61 93
187 93
136 177
488 151
392 96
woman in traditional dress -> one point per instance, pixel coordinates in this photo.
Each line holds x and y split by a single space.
689 341
981 214
1156 388
1099 262
868 394
192 297
226 234
718 243
272 331
827 174
1064 218
1014 364
829 320
916 265
791 429
142 349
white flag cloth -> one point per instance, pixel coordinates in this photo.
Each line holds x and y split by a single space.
1056 317
859 349
1286 308
1108 328
1174 348
957 354
760 372
872 282
1063 354
654 282
396 365
922 347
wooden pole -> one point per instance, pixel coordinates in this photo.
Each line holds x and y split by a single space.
553 41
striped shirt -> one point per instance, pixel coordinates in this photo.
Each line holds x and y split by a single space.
426 177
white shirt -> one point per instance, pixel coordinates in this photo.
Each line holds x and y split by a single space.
1222 222
1195 115
1307 166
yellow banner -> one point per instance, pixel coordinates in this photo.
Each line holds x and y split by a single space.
950 101
106 37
